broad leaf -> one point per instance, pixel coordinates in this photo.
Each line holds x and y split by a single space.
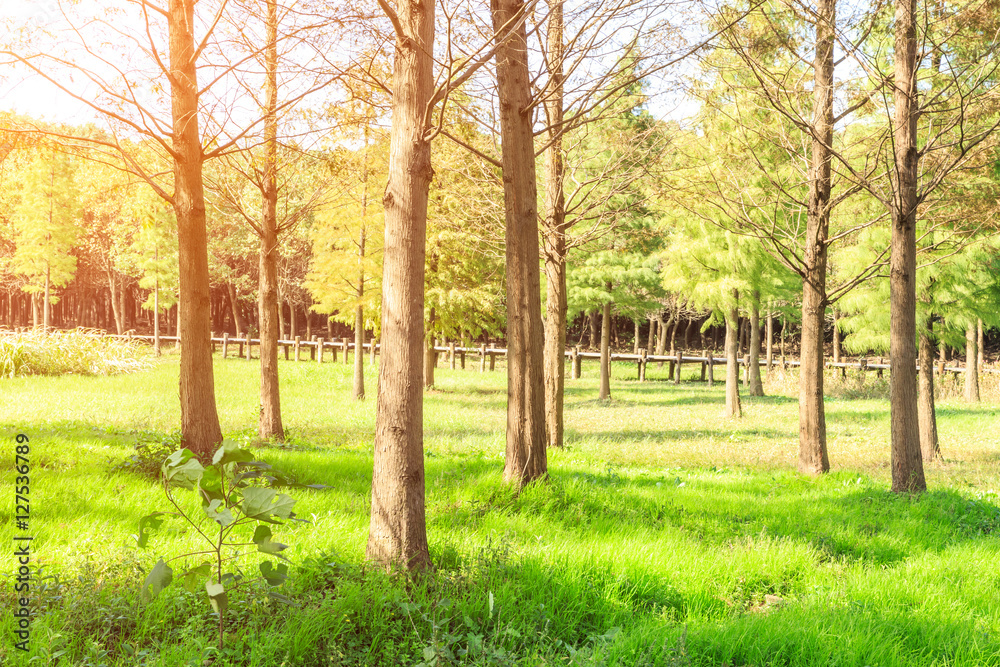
191 577
182 469
158 578
148 523
222 516
217 596
262 538
261 504
275 576
231 452
210 484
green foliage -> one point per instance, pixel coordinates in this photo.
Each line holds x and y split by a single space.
61 352
45 222
630 281
230 502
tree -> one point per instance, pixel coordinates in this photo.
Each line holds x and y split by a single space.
45 227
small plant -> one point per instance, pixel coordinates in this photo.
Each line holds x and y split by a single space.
230 507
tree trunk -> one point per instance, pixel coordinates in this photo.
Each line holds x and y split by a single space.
733 408
119 329
770 340
47 303
907 466
650 337
979 344
237 317
398 534
282 330
836 338
525 457
971 366
635 337
813 457
430 356
269 423
756 386
928 419
293 321
605 393
595 328
200 431
661 337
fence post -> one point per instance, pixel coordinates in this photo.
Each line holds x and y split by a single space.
642 364
461 356
312 348
577 362
239 354
284 346
482 358
248 346
451 355
319 356
703 365
298 346
711 369
225 344
680 360
374 341
863 368
346 342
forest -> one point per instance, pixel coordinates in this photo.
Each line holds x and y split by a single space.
587 332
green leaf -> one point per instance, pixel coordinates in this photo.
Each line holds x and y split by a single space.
283 599
261 504
223 516
262 538
191 577
158 578
275 576
182 469
148 523
231 452
210 484
217 596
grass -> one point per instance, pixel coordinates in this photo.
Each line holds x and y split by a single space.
80 351
667 535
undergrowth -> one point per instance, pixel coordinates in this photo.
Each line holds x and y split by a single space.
81 351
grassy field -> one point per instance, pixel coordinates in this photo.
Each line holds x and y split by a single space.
667 535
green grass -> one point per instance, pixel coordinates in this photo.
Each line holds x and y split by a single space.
80 351
667 534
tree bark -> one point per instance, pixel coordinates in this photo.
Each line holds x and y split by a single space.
200 430
525 456
269 423
813 458
756 386
234 306
733 407
971 366
605 392
554 235
651 336
907 466
928 419
595 328
398 535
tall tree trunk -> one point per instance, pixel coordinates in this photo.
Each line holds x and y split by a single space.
398 532
813 458
269 423
554 235
525 456
119 329
635 337
661 334
928 419
293 320
971 365
594 318
756 386
770 339
430 356
200 430
47 303
359 317
605 393
234 305
281 311
733 407
907 466
650 337
836 337
979 344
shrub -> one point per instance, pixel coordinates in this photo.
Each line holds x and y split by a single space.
80 351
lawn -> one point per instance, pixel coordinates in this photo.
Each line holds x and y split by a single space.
666 534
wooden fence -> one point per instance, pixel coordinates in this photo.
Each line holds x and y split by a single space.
317 349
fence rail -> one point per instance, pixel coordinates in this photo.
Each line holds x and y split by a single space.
317 347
